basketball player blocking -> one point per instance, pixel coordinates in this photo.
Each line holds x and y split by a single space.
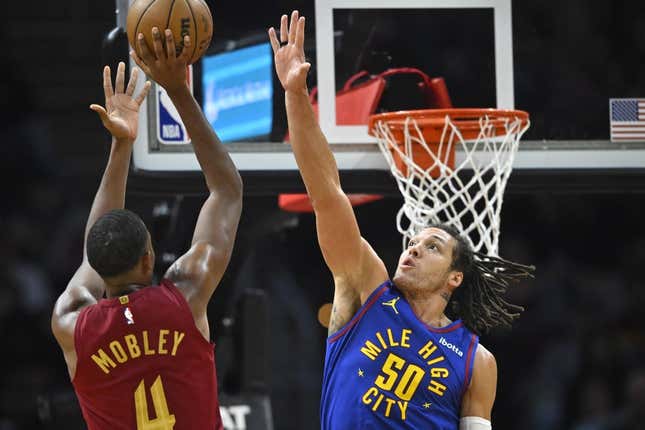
393 357
148 343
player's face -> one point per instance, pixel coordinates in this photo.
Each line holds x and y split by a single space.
426 263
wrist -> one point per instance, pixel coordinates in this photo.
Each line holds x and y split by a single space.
178 91
297 93
121 148
122 142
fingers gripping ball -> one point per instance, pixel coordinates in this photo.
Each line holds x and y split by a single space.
182 17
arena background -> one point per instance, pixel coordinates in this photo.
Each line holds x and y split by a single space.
573 361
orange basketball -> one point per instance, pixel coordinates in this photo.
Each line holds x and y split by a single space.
182 17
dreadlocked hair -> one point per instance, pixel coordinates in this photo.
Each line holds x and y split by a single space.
479 301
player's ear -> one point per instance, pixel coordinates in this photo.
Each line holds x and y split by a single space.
455 278
147 261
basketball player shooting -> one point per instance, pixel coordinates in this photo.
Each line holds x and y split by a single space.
140 358
393 358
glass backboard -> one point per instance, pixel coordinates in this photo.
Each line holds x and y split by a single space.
564 64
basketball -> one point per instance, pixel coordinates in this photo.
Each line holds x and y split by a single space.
182 17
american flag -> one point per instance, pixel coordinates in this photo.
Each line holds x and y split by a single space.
627 120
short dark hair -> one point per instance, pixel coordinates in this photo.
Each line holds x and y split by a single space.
116 242
479 301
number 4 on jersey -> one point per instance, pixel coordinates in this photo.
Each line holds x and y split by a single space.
164 420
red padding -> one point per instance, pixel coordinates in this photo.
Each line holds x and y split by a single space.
300 202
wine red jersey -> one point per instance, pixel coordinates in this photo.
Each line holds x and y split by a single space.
143 364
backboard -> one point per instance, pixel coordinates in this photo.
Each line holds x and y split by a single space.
561 64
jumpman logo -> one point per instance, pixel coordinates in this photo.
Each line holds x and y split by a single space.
392 303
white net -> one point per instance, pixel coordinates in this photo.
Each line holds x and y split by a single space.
468 196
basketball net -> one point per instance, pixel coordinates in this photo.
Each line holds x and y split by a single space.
466 194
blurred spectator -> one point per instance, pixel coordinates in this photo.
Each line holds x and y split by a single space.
594 404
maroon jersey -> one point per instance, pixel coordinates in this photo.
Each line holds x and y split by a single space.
143 364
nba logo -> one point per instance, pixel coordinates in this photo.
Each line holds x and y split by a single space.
128 316
170 128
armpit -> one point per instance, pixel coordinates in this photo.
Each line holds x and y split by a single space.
343 310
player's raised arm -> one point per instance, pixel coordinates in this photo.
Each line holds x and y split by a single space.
350 258
199 271
120 117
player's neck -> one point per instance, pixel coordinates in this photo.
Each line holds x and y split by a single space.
429 307
117 287
126 283
122 290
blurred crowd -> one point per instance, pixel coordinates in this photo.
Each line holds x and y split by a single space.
574 359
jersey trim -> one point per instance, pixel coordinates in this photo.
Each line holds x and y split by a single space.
440 330
114 301
378 292
447 329
78 346
174 290
469 363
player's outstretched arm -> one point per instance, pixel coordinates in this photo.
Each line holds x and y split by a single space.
120 117
477 403
350 258
199 271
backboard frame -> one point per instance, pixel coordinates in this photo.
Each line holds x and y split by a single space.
269 167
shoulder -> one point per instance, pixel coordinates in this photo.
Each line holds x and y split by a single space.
84 289
193 267
197 273
485 364
200 253
484 357
66 312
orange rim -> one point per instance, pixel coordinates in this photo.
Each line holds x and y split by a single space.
432 121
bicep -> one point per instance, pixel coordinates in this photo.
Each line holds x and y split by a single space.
480 396
218 220
346 253
198 272
86 279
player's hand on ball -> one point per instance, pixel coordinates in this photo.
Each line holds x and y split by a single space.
163 65
289 53
120 116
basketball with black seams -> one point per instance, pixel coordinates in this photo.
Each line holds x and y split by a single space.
182 17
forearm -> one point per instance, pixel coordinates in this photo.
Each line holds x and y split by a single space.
219 170
111 192
315 159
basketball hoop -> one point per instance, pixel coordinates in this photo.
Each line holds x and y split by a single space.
420 148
